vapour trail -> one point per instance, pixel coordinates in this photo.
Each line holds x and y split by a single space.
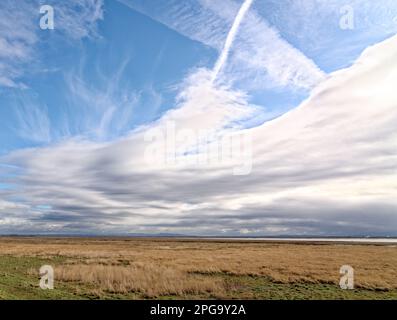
230 38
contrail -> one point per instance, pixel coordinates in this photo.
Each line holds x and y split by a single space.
230 38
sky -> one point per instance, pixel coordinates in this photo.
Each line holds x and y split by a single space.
199 117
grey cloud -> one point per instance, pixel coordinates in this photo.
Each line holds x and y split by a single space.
325 168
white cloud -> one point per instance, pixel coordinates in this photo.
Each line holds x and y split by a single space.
107 108
327 167
79 18
20 32
17 37
314 27
259 57
32 121
102 112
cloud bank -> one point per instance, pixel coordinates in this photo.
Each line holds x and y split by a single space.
326 167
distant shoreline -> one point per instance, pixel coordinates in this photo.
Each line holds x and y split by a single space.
330 240
286 239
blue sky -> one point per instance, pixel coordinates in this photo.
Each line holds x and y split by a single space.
133 57
129 60
112 67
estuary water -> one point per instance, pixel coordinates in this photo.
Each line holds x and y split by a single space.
334 240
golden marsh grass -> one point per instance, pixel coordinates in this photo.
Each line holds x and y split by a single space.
155 267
